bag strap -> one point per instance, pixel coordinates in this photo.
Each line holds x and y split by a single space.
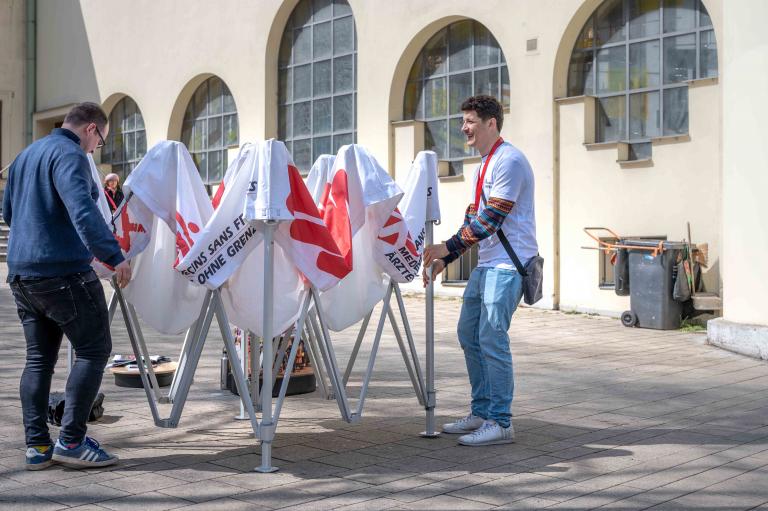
505 243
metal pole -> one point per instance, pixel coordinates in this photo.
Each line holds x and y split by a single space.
326 346
242 351
313 351
411 344
255 346
186 346
356 348
145 353
229 341
372 357
408 366
267 426
430 342
137 353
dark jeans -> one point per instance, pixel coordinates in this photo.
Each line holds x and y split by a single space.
49 308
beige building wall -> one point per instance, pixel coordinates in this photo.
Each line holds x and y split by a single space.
12 80
158 52
745 163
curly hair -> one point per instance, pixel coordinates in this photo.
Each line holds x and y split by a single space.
486 107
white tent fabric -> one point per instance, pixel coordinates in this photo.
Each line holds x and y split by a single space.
263 184
167 183
131 227
318 176
400 243
357 199
102 270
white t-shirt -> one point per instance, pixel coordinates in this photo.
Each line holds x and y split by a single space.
509 176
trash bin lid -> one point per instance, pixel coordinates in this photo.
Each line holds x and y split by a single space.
650 243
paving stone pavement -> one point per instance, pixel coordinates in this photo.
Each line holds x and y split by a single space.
606 417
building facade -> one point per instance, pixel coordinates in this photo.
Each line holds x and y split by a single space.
637 115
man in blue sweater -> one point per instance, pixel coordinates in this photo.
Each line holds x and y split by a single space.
56 230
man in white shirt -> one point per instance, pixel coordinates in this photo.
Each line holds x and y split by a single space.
502 202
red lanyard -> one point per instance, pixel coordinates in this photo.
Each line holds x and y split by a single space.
481 178
111 200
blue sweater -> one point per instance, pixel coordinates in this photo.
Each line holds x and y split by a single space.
50 205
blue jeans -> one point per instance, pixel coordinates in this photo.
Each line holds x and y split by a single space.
490 299
50 308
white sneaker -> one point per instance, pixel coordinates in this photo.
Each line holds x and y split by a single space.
490 433
463 426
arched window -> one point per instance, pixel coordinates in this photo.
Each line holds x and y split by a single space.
210 128
317 80
461 60
636 57
126 143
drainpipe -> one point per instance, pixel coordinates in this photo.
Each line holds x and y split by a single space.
31 65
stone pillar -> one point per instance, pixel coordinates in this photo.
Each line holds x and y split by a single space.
743 56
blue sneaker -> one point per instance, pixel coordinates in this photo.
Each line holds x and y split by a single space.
87 454
39 457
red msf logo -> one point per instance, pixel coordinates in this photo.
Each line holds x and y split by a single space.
396 218
183 239
335 211
127 227
308 227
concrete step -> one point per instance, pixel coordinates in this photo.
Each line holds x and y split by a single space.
707 301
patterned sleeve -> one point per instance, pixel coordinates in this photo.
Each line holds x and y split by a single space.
480 226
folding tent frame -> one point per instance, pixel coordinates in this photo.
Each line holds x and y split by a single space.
188 359
311 326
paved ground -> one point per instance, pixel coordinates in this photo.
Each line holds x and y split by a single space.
605 416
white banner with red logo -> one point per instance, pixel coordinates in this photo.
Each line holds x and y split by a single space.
358 196
400 243
130 226
166 183
263 184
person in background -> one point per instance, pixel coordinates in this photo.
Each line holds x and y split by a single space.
502 204
113 191
56 230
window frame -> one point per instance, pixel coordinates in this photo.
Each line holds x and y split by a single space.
286 106
191 120
628 42
456 266
456 162
126 165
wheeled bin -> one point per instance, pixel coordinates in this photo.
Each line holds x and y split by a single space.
652 268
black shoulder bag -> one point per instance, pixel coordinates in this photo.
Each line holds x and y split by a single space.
532 272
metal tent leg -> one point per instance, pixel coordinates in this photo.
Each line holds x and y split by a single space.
356 348
430 346
312 350
267 430
137 352
239 375
417 386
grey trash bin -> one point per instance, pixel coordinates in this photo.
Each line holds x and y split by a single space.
652 280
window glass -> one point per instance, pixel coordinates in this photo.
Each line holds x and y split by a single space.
209 128
644 65
708 55
611 70
679 15
676 111
644 18
316 80
126 143
679 58
634 55
644 115
611 118
459 61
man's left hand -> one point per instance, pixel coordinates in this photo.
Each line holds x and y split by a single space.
433 252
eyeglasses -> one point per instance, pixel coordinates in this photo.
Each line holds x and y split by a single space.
101 139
